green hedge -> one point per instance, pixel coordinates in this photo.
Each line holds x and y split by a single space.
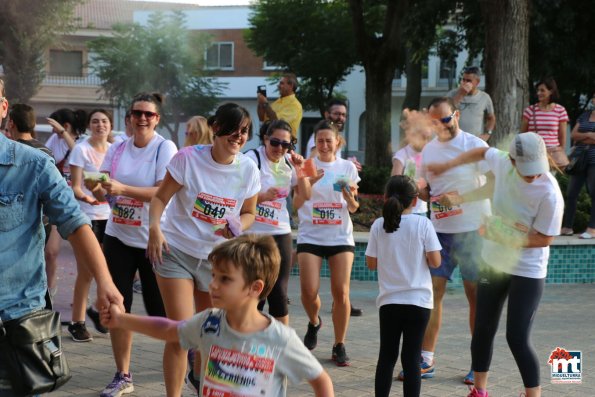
373 179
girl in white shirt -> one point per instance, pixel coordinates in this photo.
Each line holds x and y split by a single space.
401 247
136 167
527 205
88 156
278 178
325 231
212 192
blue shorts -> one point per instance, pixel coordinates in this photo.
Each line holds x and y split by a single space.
462 249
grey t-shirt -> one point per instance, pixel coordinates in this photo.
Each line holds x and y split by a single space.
473 108
256 364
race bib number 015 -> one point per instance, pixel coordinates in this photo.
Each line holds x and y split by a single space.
268 212
326 213
441 211
212 209
127 211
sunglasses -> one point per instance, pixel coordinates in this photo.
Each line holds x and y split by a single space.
276 142
139 113
446 120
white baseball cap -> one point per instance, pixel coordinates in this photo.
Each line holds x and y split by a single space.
529 152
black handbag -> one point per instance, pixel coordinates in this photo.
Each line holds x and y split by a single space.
31 352
579 160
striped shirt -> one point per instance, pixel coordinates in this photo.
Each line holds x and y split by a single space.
546 123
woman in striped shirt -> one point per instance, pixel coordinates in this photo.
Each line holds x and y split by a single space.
547 118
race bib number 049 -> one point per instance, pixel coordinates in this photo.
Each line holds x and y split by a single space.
212 209
127 211
326 213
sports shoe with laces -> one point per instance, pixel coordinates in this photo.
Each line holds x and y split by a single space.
469 379
340 356
427 371
78 332
121 384
311 337
476 393
94 316
191 380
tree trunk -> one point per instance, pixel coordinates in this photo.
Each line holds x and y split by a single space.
378 113
507 62
413 90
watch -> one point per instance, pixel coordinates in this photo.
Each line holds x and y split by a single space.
489 132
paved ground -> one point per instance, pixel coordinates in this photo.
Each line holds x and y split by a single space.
566 318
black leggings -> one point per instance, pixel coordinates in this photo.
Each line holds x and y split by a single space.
277 299
395 320
523 295
123 261
575 184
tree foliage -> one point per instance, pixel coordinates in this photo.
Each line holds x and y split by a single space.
27 29
311 38
163 57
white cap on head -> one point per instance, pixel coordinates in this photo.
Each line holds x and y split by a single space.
529 152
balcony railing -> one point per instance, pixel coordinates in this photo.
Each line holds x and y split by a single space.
73 81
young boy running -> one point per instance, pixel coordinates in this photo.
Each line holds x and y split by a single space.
246 352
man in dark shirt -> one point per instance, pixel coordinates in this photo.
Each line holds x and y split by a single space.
21 126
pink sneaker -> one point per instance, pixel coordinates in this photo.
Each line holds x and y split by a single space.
476 393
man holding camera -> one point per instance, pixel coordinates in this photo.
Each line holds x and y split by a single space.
287 107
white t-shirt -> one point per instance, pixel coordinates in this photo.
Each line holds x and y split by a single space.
83 155
403 274
210 192
411 161
255 364
311 145
140 167
523 206
462 218
324 219
60 149
272 217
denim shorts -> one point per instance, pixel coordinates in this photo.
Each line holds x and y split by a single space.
462 249
177 264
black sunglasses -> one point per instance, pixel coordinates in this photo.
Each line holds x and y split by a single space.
276 142
139 113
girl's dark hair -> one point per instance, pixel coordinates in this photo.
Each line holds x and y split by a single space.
155 98
551 85
76 118
229 117
268 127
107 113
399 194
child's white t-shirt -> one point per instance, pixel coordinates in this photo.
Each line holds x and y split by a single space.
462 218
272 217
408 157
525 206
140 167
403 274
210 192
60 149
325 219
255 364
83 155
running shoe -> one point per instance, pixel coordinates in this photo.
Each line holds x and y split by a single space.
191 380
311 337
79 332
427 372
121 384
475 393
340 356
94 316
137 286
469 379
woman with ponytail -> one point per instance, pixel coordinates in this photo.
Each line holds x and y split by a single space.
402 246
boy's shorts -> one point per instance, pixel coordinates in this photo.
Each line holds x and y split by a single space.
463 249
177 264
